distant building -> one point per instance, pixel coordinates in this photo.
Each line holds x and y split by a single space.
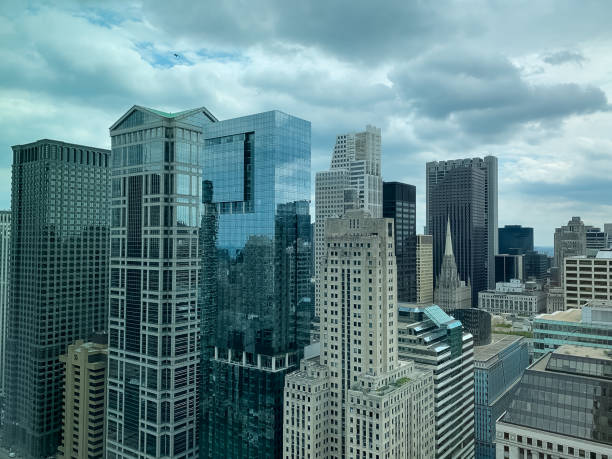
353 181
555 299
329 406
60 218
509 267
515 237
84 401
535 266
424 269
513 297
498 368
560 408
399 203
465 191
437 341
570 241
589 326
588 279
596 240
451 292
5 246
475 321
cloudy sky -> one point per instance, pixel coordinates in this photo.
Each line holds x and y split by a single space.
528 82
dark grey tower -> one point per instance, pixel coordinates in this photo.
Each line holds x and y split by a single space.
399 203
470 201
515 239
459 196
59 281
154 328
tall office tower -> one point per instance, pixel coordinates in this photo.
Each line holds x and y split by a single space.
399 203
436 341
5 245
353 181
462 197
570 241
515 239
154 325
451 292
424 269
58 284
572 387
255 286
461 191
498 370
84 400
358 377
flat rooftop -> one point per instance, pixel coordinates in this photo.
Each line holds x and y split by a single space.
498 344
570 315
584 351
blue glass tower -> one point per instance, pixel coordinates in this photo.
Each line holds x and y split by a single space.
256 266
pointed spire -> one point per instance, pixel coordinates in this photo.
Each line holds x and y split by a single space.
448 248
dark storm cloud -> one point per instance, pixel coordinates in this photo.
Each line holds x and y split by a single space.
563 57
486 94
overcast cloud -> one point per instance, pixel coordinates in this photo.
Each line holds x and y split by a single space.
528 82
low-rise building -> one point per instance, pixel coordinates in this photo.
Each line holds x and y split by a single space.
498 368
514 297
589 326
437 342
588 278
555 299
561 408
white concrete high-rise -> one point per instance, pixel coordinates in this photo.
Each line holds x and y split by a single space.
331 402
424 269
353 181
5 244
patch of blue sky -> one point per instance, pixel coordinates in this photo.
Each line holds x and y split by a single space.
161 58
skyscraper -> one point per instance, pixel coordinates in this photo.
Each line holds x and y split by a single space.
255 291
5 245
59 279
465 190
424 269
451 292
154 328
84 399
353 181
436 341
570 241
515 237
357 399
399 203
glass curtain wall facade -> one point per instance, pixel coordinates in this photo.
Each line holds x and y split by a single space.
154 333
255 292
59 280
5 246
399 203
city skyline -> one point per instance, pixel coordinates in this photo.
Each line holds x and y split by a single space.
545 94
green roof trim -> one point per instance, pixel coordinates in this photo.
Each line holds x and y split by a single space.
167 114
